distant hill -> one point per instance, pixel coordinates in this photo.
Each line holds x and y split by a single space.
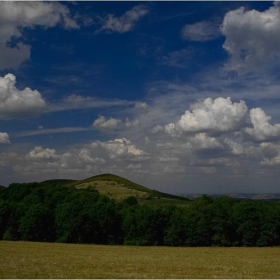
119 188
269 197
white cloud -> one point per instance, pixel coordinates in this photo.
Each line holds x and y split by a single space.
85 155
15 15
4 138
126 22
41 153
119 148
252 37
262 130
218 115
202 141
201 31
18 104
109 124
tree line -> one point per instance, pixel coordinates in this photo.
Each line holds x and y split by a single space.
55 213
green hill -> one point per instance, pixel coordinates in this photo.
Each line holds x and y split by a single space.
119 188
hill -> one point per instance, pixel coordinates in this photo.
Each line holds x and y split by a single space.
119 188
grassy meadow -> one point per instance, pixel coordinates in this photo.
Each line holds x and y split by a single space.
55 260
114 190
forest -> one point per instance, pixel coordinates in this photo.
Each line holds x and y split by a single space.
50 212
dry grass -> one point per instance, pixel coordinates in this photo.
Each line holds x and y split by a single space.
48 260
114 190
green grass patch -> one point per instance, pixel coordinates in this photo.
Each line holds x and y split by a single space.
114 190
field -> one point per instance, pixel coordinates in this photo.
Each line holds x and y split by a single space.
54 260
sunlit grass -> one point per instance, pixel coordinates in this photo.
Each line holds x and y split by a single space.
54 260
114 190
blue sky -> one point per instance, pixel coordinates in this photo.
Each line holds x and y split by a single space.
181 97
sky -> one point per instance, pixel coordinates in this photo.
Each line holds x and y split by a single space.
181 97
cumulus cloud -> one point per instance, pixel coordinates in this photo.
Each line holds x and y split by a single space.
119 148
251 37
18 104
126 22
262 130
208 115
4 138
201 31
41 153
111 124
16 15
203 141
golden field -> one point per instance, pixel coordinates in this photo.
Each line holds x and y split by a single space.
54 260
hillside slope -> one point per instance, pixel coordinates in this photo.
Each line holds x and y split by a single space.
120 188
